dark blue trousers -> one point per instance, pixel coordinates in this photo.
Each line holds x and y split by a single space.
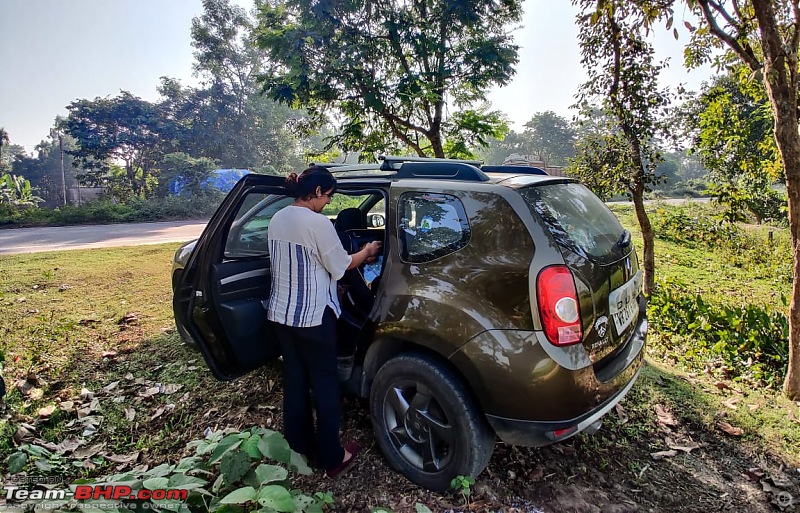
310 376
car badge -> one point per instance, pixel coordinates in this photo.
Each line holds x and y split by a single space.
601 325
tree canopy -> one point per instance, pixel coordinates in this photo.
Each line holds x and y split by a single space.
388 73
623 95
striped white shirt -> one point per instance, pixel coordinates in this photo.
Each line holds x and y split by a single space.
306 261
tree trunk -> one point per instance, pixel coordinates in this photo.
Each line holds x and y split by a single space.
436 146
648 246
780 80
787 138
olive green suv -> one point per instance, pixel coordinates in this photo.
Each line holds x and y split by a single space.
506 304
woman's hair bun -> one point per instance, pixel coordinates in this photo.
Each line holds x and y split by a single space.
291 182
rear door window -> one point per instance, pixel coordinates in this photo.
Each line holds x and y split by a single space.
577 219
431 226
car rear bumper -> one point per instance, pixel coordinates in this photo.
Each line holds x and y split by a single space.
619 373
537 434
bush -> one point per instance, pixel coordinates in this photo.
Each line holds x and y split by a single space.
749 342
680 226
108 211
237 471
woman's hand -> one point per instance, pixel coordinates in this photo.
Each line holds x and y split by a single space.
373 249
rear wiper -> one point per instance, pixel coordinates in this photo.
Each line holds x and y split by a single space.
624 239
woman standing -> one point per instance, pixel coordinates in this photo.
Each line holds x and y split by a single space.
306 261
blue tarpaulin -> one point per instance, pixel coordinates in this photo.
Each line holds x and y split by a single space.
222 179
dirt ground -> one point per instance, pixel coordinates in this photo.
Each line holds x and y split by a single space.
650 459
587 474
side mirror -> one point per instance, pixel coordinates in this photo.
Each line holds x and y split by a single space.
376 220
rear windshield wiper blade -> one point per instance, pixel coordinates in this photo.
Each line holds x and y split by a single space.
624 239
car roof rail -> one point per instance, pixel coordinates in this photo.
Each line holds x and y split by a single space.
441 170
394 162
522 170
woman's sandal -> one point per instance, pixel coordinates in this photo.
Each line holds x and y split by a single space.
347 462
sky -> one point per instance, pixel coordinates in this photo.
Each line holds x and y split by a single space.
53 52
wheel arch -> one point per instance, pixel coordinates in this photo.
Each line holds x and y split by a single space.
384 349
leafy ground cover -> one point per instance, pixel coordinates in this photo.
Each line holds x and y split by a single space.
100 386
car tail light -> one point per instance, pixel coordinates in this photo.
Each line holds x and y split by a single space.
559 309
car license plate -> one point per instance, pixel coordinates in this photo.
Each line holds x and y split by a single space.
623 302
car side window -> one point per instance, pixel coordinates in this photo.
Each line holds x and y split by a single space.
247 235
430 226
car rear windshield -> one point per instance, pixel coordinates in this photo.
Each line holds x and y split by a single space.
577 219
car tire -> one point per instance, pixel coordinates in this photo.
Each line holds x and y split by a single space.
426 423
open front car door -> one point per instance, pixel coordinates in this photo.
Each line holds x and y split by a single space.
220 296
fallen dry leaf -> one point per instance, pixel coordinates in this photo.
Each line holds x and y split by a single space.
50 446
111 386
86 394
108 354
160 410
46 411
665 418
623 417
88 452
752 407
663 454
149 392
67 406
23 434
130 414
122 458
754 474
687 448
731 403
721 385
171 389
69 444
731 430
130 319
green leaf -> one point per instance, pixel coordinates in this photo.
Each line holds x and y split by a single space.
155 483
227 444
184 482
421 508
276 497
298 463
43 465
240 496
17 462
186 464
35 450
234 466
270 473
217 486
250 446
161 470
275 447
229 508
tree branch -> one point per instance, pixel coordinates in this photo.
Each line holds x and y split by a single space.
747 56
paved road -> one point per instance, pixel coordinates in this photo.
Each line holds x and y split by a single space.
32 240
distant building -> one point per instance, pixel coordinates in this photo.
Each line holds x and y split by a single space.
80 195
515 159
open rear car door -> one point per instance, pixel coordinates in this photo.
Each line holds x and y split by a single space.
226 280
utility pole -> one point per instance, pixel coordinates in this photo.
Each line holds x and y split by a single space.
63 178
